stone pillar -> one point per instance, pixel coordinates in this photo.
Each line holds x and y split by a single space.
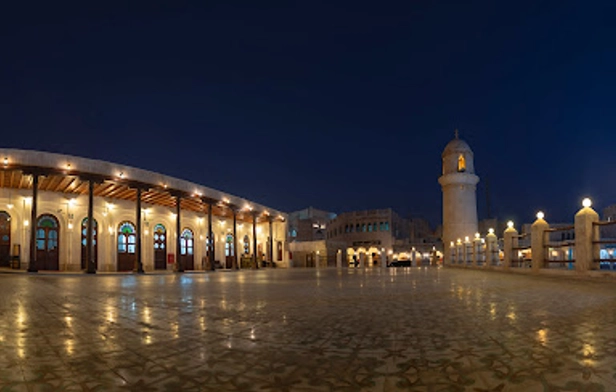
32 264
235 261
459 252
476 249
413 257
138 256
468 251
491 249
255 260
271 241
339 259
179 267
362 259
510 241
452 253
585 233
90 267
210 236
537 242
317 259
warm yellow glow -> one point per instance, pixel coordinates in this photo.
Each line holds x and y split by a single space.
121 175
68 166
491 230
110 206
147 232
28 199
477 235
6 161
461 163
222 222
110 230
70 226
26 223
466 239
459 240
586 202
510 224
452 244
540 215
9 206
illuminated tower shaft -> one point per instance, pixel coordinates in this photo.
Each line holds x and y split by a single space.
459 186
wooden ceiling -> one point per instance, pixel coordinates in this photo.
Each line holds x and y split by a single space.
73 183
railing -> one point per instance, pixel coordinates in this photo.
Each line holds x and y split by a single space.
555 260
519 258
605 263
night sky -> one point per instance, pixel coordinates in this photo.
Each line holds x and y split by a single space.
341 107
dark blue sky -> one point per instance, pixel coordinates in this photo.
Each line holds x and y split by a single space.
342 107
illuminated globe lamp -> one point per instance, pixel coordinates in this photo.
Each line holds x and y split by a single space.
586 203
540 215
510 225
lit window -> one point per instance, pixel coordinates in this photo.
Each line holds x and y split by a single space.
461 163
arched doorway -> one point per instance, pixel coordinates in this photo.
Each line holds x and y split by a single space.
187 242
84 242
229 250
160 247
126 246
47 240
5 239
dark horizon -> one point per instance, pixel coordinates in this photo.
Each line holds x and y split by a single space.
337 107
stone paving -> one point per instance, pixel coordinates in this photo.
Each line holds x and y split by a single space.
404 329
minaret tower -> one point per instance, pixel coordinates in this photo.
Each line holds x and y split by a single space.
459 184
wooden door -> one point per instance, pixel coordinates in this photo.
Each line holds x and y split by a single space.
160 247
84 242
5 239
126 246
47 240
187 246
229 251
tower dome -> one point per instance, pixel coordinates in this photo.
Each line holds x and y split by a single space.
458 157
459 184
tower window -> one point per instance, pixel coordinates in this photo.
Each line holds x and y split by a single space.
461 164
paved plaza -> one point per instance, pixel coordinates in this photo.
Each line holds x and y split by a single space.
407 329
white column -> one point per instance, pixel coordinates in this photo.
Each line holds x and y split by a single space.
491 248
510 241
537 242
585 233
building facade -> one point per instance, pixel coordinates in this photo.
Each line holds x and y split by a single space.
141 220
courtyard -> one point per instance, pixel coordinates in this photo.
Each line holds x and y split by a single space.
407 329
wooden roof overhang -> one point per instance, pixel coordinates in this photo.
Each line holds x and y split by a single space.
76 183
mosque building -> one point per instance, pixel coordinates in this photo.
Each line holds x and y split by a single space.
66 213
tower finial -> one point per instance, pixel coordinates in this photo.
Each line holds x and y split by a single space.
457 133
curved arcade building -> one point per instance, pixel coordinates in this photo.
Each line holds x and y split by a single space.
66 213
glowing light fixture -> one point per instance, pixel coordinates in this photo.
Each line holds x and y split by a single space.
510 224
540 215
477 235
491 230
587 202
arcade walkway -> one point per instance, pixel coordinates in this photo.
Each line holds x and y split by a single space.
307 330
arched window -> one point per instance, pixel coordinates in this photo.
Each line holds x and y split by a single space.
370 227
246 245
126 238
461 163
47 231
374 227
186 242
229 251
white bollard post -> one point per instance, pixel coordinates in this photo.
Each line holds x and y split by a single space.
537 242
585 233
